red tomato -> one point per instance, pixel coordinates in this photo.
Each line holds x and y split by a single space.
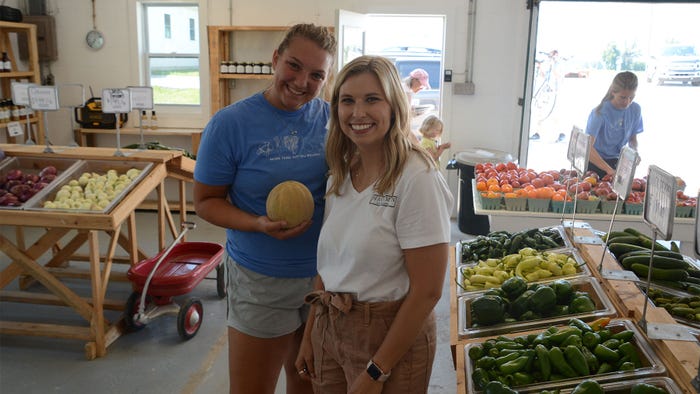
537 182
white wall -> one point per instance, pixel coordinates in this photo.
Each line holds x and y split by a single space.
488 119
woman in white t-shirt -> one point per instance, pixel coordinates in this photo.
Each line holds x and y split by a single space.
383 247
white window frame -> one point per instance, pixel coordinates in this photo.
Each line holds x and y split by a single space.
180 116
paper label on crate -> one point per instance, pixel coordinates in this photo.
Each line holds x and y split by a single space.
141 97
624 174
116 101
14 129
43 98
20 92
660 201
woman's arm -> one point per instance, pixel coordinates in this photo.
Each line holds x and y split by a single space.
211 204
426 271
305 359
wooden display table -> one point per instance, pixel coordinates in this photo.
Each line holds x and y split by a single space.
85 137
680 357
84 229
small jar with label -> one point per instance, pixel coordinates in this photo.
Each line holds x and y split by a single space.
232 67
267 68
249 68
223 68
240 68
257 68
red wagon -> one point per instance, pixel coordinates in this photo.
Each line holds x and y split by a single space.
173 272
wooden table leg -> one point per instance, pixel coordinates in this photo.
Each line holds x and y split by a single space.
97 322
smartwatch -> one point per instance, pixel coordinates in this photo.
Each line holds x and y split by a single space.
376 373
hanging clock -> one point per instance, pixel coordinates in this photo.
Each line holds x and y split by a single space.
95 39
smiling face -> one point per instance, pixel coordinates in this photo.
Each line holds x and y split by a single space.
300 72
364 114
622 98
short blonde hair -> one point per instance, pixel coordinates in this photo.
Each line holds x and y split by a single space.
430 122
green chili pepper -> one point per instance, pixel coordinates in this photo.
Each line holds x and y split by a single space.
576 359
513 365
606 354
543 361
604 368
561 335
590 339
575 322
624 336
591 359
627 366
630 351
480 378
508 357
612 343
476 352
556 358
486 362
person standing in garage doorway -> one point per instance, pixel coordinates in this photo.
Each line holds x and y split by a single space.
248 148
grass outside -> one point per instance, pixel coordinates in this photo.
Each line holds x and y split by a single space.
187 96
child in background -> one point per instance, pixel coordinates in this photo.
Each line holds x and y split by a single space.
431 130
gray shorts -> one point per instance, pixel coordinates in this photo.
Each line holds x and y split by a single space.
264 306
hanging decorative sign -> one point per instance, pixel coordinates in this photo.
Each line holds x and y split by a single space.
660 201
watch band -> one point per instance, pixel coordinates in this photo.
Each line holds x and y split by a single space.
376 373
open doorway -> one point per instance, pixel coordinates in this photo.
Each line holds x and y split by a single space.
582 45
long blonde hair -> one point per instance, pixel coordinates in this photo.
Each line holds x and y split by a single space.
340 150
625 80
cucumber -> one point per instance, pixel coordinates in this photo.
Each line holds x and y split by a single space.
618 249
615 234
664 253
634 232
674 247
627 239
646 242
660 273
694 273
659 262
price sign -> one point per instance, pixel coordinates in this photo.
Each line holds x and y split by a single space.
20 92
697 230
624 174
71 95
660 201
141 97
43 98
14 129
116 101
575 131
581 152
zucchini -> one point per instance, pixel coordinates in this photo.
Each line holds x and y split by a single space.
664 253
615 234
618 249
658 262
646 242
634 231
627 239
664 274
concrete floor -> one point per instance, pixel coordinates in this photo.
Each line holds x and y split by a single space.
153 360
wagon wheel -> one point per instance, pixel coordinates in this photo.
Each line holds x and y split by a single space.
221 280
189 319
132 306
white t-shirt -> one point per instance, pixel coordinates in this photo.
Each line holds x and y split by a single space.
360 249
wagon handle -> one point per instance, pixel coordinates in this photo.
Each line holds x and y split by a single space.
186 226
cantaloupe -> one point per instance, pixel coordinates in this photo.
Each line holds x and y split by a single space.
290 201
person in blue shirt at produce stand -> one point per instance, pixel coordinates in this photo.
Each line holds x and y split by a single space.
614 123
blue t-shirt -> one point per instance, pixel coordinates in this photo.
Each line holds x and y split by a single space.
613 128
253 146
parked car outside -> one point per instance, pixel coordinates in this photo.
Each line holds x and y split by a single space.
675 63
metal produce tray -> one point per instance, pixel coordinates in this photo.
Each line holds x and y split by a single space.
97 166
604 308
33 165
583 267
559 229
651 364
675 293
624 386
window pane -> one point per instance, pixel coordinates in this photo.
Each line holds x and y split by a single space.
168 34
175 80
179 17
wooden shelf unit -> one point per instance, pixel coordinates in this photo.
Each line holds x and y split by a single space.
32 75
239 43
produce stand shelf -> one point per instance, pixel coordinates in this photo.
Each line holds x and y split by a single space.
83 229
501 219
680 358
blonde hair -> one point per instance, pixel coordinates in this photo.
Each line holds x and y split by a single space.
340 150
625 80
430 122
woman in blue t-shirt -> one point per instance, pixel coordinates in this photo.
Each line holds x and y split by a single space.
248 148
614 123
